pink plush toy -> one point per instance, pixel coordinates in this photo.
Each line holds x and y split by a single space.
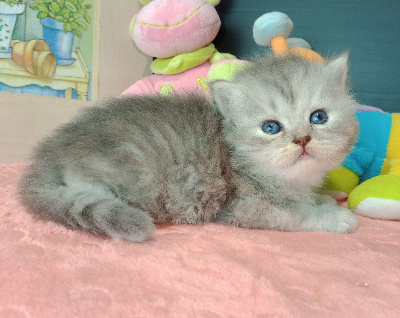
179 35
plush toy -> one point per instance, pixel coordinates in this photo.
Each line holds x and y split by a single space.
271 29
179 35
370 175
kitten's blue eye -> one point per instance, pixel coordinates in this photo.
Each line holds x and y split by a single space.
318 117
271 127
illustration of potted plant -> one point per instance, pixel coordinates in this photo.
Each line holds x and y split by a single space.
9 9
62 20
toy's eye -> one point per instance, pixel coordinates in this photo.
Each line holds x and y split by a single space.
271 127
318 117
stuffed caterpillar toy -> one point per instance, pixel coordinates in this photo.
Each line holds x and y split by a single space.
179 35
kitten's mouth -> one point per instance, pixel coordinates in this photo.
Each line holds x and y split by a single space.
305 156
302 156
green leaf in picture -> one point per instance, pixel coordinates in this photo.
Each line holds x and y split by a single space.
42 15
88 6
39 1
77 33
42 7
54 7
86 18
60 19
70 6
52 15
82 25
80 1
74 25
66 27
34 6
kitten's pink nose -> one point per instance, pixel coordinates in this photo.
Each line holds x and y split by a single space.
302 141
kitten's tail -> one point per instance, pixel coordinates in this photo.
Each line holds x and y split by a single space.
82 205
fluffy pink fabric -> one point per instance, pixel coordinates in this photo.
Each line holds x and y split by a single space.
47 270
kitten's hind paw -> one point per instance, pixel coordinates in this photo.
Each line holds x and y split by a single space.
125 222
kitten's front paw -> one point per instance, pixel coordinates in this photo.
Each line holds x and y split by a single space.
343 221
332 218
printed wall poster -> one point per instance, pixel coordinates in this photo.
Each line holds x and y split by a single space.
47 47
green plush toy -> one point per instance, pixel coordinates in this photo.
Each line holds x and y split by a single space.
370 175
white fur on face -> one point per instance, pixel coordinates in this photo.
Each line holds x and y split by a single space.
289 96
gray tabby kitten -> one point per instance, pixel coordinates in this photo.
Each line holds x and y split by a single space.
253 161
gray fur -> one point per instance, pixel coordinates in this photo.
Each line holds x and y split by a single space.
136 160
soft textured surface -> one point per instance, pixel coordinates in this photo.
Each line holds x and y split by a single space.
47 270
165 28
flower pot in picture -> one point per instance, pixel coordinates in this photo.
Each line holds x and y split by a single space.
8 17
60 42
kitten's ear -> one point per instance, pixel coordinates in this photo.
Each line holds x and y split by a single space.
225 95
339 68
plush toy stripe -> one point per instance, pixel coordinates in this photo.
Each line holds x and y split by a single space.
176 23
377 208
391 164
385 187
394 141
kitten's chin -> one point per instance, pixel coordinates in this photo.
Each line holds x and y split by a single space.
306 170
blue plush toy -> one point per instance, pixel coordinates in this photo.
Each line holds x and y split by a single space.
370 175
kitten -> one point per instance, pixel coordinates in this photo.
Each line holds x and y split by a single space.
254 159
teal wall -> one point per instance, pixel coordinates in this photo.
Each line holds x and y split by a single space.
369 29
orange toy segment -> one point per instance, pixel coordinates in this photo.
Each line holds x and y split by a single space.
279 45
307 54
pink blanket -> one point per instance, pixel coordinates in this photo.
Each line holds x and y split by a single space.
47 270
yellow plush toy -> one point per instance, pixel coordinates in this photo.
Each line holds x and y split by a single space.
370 175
